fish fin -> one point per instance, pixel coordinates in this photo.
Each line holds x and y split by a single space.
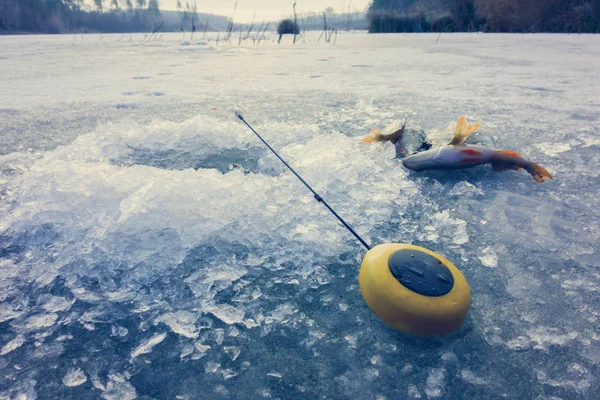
461 124
498 167
372 136
540 173
463 130
473 127
509 153
514 167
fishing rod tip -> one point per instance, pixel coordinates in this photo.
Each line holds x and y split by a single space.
239 115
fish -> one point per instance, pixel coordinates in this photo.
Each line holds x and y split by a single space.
460 155
405 140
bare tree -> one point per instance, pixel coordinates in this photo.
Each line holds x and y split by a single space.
231 25
98 4
205 30
180 11
194 16
251 26
324 25
262 36
295 22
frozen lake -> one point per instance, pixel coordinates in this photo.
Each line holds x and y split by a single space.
151 247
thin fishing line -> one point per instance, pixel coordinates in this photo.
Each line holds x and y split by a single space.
316 195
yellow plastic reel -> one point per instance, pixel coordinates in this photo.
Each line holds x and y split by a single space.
404 309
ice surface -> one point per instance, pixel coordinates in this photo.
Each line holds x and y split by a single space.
146 346
226 313
74 377
12 345
489 258
434 387
151 247
465 189
118 388
470 377
54 303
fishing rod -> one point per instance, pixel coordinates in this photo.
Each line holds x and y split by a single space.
316 195
412 289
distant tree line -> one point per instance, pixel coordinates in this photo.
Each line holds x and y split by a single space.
109 16
355 20
57 16
570 16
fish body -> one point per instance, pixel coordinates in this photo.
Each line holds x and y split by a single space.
460 155
449 157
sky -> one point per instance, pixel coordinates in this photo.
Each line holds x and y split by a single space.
267 9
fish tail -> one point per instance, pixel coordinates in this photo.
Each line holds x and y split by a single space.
539 173
507 159
373 136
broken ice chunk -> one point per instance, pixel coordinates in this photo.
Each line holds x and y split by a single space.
227 313
181 322
489 258
146 346
74 377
